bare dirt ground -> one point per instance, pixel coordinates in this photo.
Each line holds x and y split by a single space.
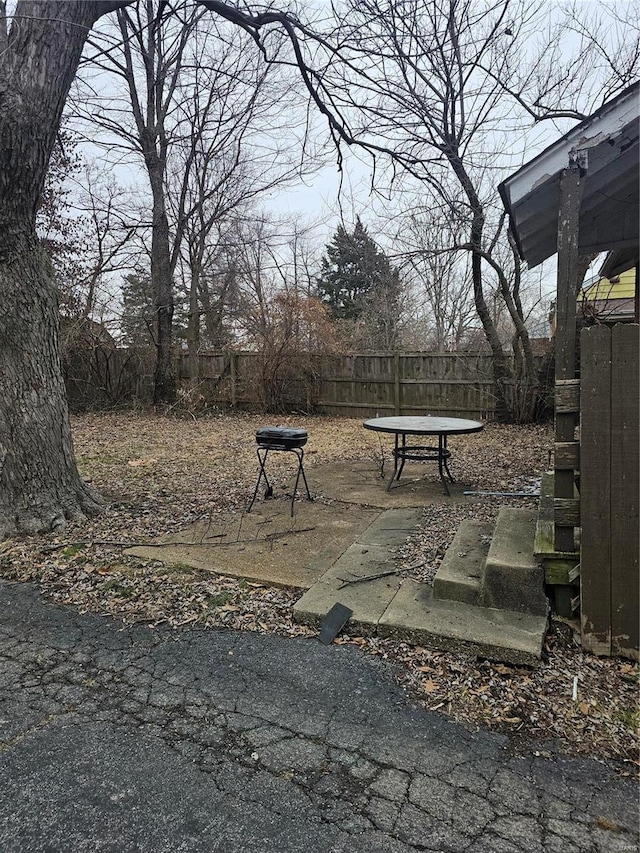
158 475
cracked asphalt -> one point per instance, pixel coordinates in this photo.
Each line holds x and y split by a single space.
120 738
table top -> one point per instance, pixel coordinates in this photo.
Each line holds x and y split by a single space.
428 425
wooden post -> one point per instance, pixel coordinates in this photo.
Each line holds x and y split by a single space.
625 490
233 371
396 385
565 346
595 485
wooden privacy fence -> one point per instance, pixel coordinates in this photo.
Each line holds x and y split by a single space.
356 386
363 385
609 489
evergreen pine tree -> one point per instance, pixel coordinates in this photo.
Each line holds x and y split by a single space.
358 283
138 319
137 323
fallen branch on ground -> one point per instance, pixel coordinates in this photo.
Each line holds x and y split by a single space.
368 578
46 549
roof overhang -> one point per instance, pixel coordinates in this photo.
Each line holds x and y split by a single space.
619 261
606 146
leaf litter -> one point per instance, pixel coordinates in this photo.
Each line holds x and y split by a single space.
163 474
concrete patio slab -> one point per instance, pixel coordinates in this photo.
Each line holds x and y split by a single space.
391 528
266 545
360 482
269 545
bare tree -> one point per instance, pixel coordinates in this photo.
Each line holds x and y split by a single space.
232 145
101 202
424 84
87 237
405 79
275 312
440 276
208 128
149 60
423 92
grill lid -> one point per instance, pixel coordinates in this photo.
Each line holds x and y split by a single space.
285 438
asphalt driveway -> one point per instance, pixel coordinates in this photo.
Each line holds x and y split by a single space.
138 739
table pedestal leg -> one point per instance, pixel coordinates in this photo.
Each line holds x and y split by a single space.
397 455
442 461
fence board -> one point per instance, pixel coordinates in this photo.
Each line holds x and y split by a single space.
595 489
625 467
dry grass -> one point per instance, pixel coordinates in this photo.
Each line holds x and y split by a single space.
159 475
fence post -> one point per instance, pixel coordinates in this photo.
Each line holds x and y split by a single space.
396 383
233 371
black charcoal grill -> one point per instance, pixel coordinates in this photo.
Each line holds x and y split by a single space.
280 439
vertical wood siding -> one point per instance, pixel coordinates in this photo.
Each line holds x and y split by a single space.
609 489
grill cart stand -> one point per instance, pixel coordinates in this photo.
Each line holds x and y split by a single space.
282 440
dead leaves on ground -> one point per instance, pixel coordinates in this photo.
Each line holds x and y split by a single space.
532 704
162 474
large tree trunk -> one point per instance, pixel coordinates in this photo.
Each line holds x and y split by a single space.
164 385
39 482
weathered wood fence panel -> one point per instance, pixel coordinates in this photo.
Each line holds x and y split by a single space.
610 489
104 377
406 384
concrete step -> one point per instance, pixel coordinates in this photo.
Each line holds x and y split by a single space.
385 605
368 599
513 578
460 575
414 616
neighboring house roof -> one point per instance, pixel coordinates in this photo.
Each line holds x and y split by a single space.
619 261
609 300
83 333
606 146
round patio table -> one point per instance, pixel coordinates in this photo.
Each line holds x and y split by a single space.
401 427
